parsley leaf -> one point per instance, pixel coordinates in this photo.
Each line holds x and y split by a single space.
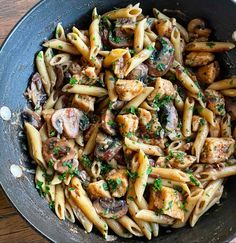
132 175
73 81
157 185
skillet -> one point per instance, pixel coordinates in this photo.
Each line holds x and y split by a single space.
16 66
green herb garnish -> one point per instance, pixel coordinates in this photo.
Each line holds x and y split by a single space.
157 185
73 81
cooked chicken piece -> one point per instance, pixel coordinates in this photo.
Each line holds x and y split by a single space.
128 89
163 27
181 161
153 127
145 116
216 150
83 102
108 122
98 189
208 73
167 201
195 123
215 101
163 87
86 76
196 59
117 181
128 124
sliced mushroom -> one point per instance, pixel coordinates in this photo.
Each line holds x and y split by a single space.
110 208
31 117
67 120
119 38
162 58
108 122
169 117
106 147
60 153
139 73
60 76
35 92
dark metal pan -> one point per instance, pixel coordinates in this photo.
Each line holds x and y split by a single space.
16 66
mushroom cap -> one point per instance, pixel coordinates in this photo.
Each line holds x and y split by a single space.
110 208
67 120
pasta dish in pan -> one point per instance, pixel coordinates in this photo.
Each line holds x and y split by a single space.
131 125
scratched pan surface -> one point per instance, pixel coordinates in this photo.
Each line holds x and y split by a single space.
16 66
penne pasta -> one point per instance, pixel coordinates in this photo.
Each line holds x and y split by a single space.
118 228
114 55
223 84
89 147
85 89
151 216
50 69
130 12
110 83
138 100
61 46
171 174
35 144
187 117
209 46
130 225
82 35
207 114
138 59
176 41
147 149
60 33
143 170
218 174
200 139
60 59
81 199
59 202
225 126
229 92
42 69
95 38
69 215
139 36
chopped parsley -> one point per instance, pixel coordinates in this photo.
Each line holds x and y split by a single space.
39 186
50 163
194 180
201 122
114 183
132 175
40 54
132 110
73 81
210 44
220 108
160 67
158 103
157 185
105 168
150 47
182 206
68 164
52 205
129 134
52 133
149 170
130 198
62 177
56 150
111 123
60 46
71 189
87 163
105 186
170 205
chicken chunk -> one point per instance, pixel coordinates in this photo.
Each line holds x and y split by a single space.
217 150
208 73
117 181
215 101
167 201
196 59
145 116
98 189
83 102
163 87
128 124
128 89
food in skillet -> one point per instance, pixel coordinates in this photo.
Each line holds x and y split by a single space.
132 125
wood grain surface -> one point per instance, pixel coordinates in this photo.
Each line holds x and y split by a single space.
13 228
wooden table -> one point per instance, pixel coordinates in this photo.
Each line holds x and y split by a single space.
13 228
